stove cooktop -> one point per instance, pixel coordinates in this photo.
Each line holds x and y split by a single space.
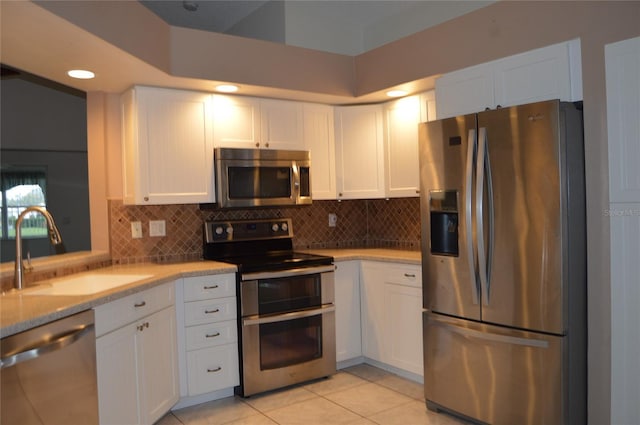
257 245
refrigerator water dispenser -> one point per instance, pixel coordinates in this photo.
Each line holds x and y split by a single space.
443 210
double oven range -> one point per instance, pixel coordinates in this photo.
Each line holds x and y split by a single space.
286 311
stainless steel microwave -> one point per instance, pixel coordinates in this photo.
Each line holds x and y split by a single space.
262 177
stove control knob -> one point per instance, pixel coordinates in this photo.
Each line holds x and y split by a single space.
284 227
275 227
219 230
229 230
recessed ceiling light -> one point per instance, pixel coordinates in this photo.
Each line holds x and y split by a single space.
81 74
227 88
396 93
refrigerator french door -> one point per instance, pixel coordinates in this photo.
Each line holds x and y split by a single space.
504 274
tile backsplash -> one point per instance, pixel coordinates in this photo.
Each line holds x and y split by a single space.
379 223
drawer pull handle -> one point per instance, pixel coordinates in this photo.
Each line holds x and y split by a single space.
142 304
409 275
218 369
212 311
211 287
212 335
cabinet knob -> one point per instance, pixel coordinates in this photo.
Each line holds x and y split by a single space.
257 145
146 199
267 145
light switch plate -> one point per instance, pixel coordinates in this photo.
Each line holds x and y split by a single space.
136 229
157 228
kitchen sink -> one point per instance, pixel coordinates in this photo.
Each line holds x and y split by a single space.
85 284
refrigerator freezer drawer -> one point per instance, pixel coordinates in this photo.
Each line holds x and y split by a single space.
492 374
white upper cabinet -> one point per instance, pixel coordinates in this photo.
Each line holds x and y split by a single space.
552 72
428 106
465 91
359 152
623 119
319 140
245 122
401 119
167 147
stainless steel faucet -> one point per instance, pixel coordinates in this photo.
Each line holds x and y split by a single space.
54 237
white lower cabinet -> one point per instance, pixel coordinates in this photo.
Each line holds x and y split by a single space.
207 336
391 306
347 301
137 360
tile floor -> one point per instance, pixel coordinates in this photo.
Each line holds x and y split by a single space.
358 395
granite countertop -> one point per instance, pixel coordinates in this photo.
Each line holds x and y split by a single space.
372 254
20 311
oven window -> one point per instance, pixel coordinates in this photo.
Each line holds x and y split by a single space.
289 293
290 342
259 182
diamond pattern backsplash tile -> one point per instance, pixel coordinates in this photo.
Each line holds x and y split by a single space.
393 223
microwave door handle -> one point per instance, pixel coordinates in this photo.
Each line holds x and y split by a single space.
295 190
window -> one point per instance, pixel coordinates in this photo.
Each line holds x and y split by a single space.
22 189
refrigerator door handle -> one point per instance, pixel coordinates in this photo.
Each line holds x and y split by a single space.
483 174
471 154
493 337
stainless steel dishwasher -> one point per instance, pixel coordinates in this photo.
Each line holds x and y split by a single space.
48 374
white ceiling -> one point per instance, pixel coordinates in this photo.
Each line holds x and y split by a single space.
349 27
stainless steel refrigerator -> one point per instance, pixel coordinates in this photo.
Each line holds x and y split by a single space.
504 265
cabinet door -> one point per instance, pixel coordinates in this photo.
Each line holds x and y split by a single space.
359 152
372 305
236 122
347 301
536 75
623 119
117 368
158 364
168 147
281 125
319 140
403 321
401 147
465 91
428 106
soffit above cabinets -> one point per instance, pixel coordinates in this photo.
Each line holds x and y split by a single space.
49 38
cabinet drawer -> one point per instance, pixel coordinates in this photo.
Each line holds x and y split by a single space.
211 335
400 274
212 369
207 287
209 311
127 310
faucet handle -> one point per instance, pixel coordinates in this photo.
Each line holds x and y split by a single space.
28 267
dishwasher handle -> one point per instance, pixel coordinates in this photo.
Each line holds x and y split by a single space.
57 342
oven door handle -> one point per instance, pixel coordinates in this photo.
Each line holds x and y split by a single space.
257 320
288 273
